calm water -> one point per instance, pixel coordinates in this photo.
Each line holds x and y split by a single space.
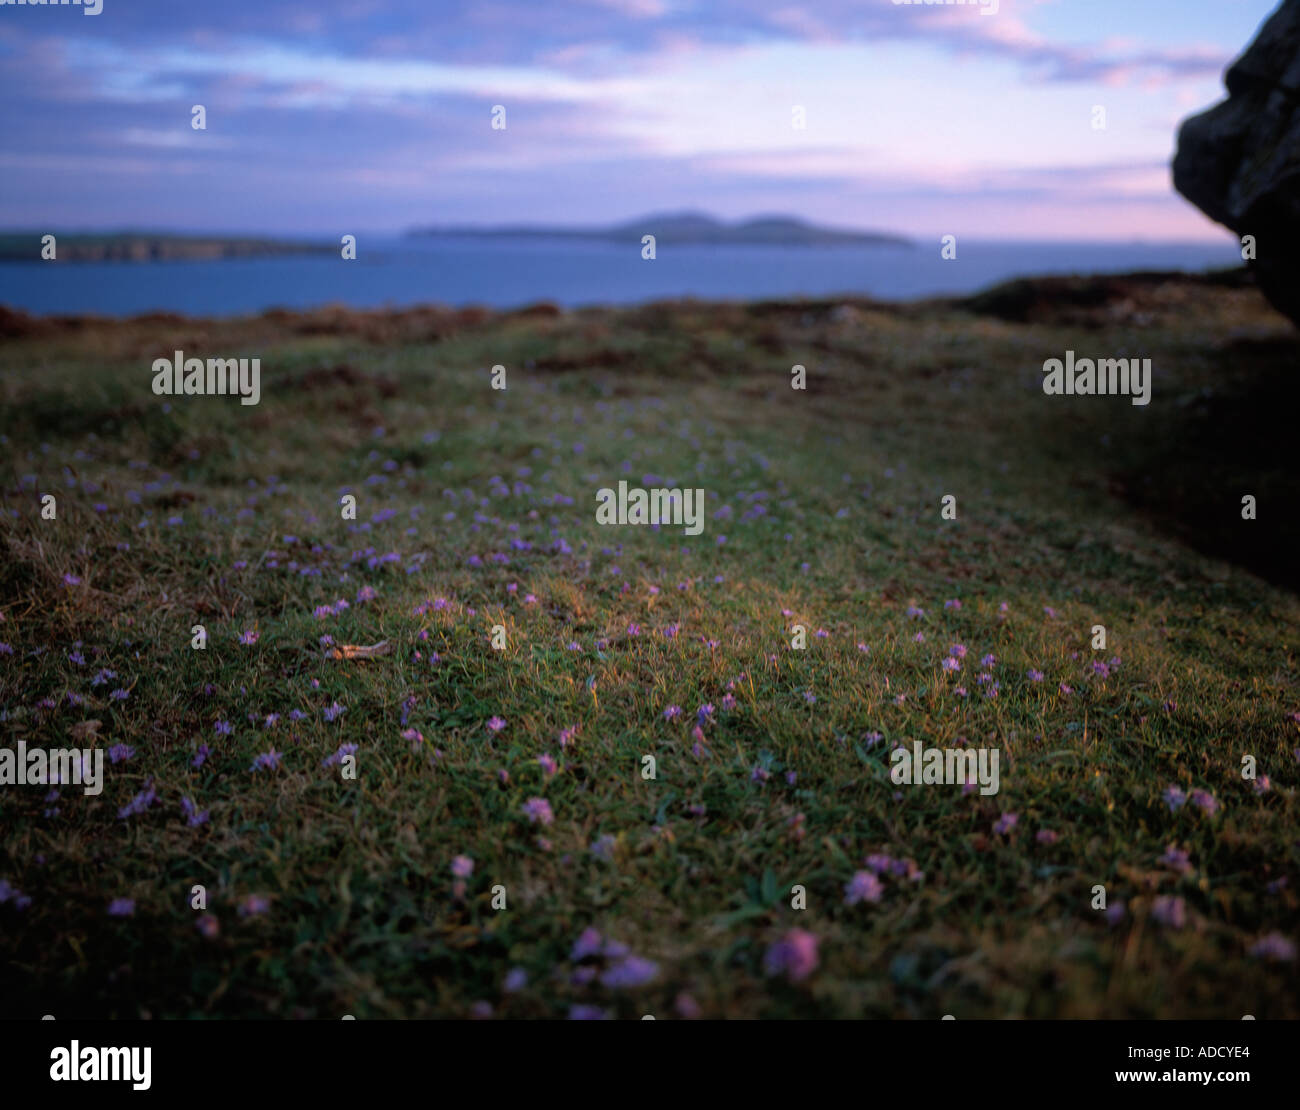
499 273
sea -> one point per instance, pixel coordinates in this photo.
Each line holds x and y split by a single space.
510 273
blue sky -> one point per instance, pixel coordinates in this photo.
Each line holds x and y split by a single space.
364 115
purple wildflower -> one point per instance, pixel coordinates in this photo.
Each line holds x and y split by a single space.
139 803
795 955
1170 911
538 810
268 761
1274 946
344 750
634 971
253 905
193 818
863 887
1174 797
588 944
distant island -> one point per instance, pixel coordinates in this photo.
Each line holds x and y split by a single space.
680 227
688 227
145 246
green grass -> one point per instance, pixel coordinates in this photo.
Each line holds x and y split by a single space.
1106 513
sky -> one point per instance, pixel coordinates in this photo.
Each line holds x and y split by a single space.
366 116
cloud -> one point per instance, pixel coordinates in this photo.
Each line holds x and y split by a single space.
618 105
523 35
177 139
634 9
96 164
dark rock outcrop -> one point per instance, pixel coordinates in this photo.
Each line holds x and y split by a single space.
1239 162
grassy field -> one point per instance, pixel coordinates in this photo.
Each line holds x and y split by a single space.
373 896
